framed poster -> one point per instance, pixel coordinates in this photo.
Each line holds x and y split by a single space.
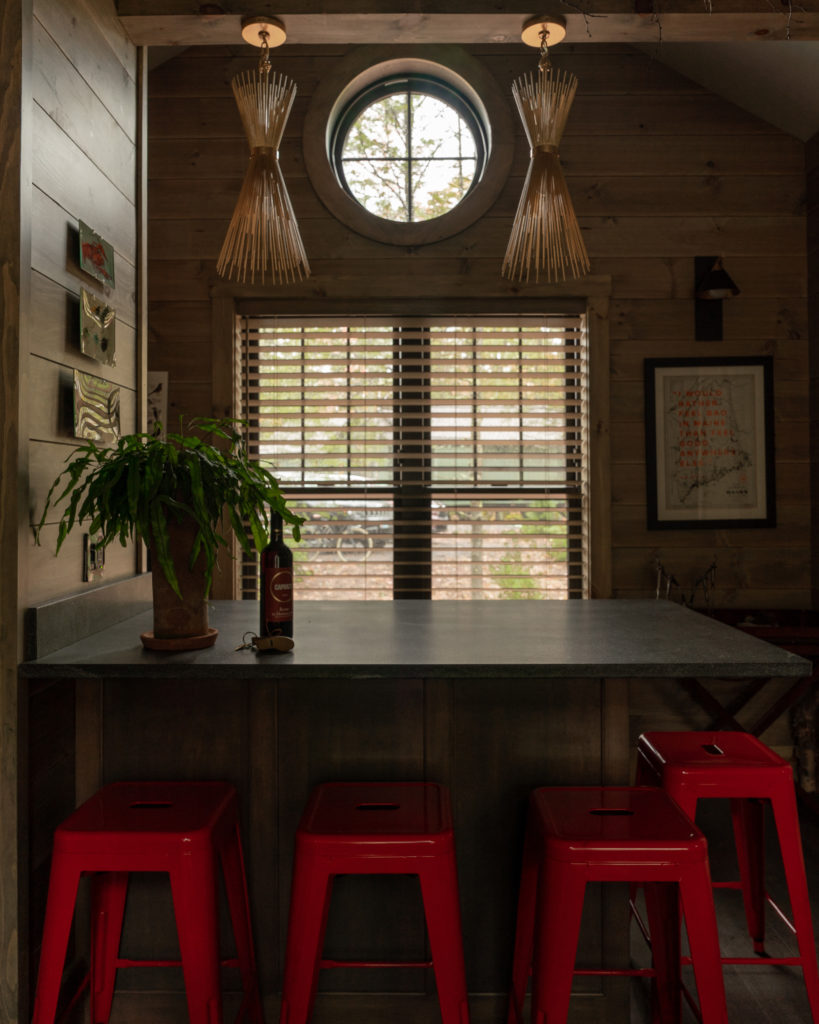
709 442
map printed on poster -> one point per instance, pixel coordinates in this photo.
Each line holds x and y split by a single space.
711 442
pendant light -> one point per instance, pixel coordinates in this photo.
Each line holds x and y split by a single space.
545 241
263 237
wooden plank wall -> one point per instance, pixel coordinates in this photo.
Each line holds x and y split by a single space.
14 58
812 190
660 171
83 110
84 168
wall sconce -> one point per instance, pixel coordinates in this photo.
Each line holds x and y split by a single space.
712 284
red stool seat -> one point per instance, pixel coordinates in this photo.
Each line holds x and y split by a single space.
175 827
735 765
374 828
576 835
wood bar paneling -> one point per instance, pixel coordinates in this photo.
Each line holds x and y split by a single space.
812 176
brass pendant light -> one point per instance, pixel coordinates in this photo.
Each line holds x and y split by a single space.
546 241
263 237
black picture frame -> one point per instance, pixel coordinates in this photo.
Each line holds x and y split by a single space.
709 443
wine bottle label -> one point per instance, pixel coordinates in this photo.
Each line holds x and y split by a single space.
278 595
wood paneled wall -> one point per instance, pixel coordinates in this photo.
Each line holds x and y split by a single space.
812 190
84 125
14 60
81 104
660 171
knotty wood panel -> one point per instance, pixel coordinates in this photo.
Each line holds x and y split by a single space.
812 169
63 172
91 37
183 731
660 172
71 103
557 741
354 730
692 195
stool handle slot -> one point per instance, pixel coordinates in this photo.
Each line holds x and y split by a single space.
712 748
150 805
612 811
377 807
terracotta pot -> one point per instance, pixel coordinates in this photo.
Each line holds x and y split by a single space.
188 617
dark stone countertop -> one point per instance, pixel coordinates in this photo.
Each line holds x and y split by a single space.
455 639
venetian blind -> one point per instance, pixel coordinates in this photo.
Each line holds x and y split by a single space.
440 458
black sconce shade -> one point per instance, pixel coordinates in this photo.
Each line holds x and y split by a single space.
712 284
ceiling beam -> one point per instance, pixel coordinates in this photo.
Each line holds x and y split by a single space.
322 22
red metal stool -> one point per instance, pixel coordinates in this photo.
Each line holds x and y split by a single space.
738 766
174 827
374 828
576 835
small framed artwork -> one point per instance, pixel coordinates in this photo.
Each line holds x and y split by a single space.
98 326
709 443
96 255
96 408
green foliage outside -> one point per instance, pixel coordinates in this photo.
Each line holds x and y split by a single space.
418 185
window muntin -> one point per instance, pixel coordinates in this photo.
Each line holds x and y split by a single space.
432 458
409 148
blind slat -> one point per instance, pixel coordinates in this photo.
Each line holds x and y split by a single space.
435 456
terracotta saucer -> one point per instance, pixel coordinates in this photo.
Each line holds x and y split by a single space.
179 643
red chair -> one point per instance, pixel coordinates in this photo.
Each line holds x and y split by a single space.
700 765
576 835
374 828
173 827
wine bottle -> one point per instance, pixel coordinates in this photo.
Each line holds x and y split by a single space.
276 583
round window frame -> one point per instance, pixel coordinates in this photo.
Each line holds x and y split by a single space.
414 84
361 69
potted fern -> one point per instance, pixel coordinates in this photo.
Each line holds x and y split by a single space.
173 493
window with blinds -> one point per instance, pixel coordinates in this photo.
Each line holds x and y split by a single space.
434 458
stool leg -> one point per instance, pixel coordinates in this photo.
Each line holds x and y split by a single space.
233 870
62 894
748 819
439 888
703 940
559 908
663 913
107 911
309 905
786 818
193 884
524 928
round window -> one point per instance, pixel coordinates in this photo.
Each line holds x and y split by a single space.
408 145
408 148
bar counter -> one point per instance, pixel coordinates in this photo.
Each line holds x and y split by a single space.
533 639
489 698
